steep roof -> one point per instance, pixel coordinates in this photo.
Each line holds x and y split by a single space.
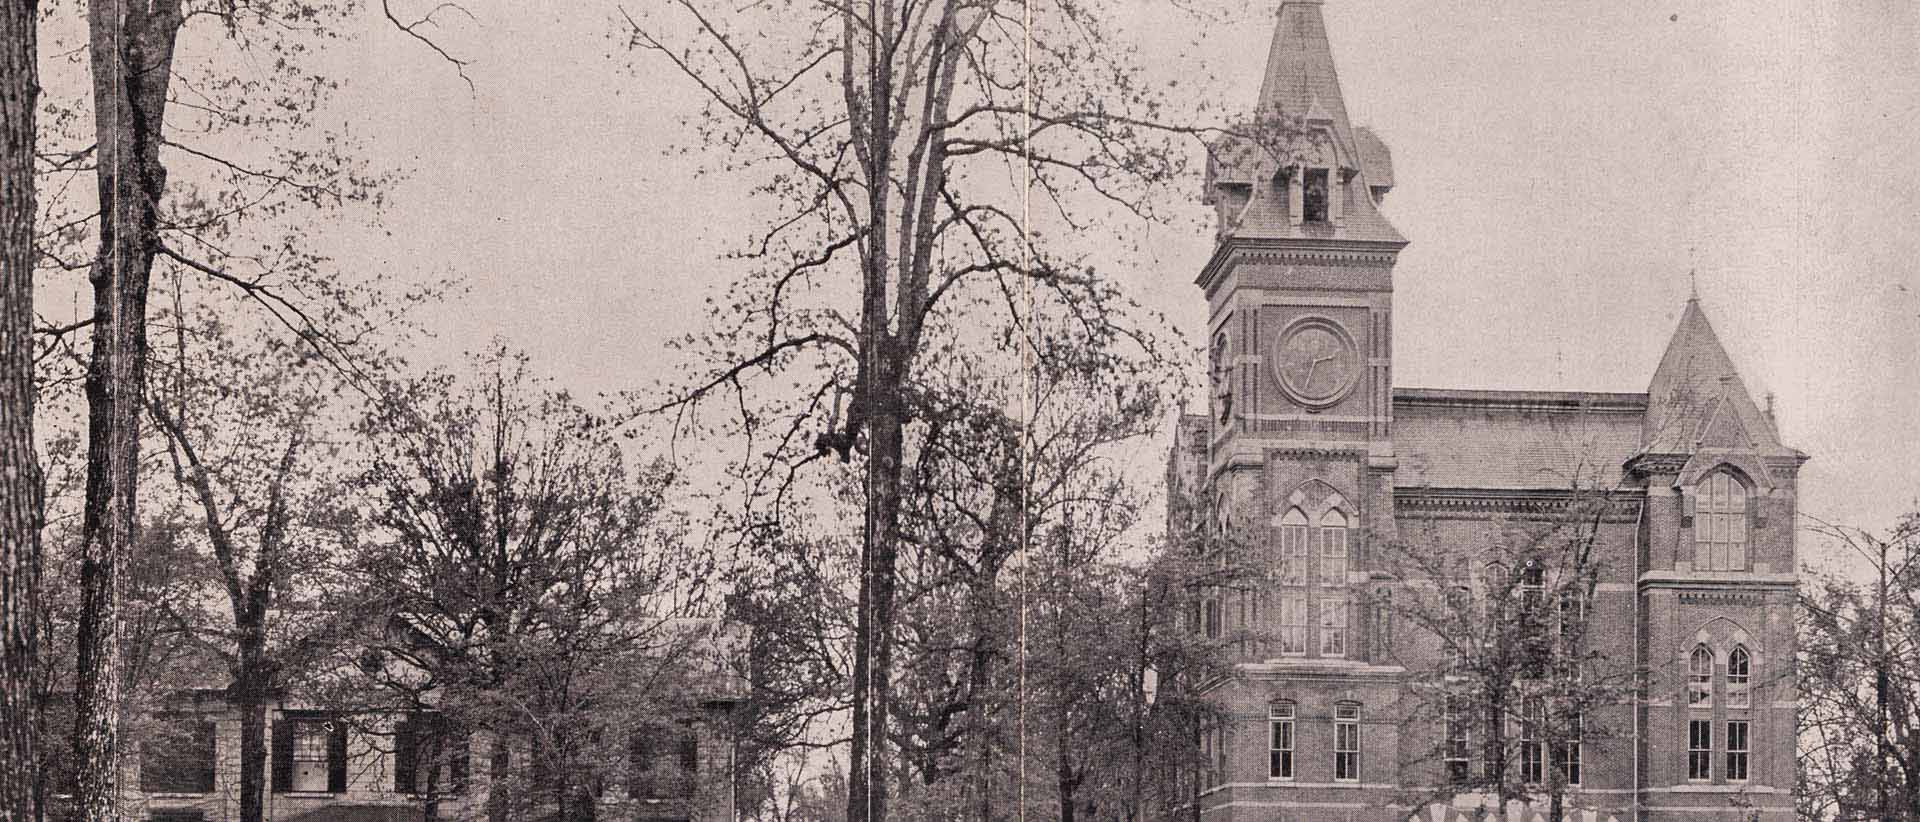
1697 397
1301 86
1300 78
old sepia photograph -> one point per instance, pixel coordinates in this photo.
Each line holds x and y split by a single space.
959 411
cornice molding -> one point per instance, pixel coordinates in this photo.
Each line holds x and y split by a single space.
1481 501
1295 251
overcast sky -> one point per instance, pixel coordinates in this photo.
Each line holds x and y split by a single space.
1560 168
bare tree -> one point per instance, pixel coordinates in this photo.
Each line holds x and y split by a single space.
937 168
140 100
1510 669
20 478
1859 675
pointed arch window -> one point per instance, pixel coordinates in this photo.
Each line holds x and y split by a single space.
1293 548
1720 523
1333 548
1739 678
1700 678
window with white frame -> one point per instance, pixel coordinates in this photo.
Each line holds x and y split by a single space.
1333 626
1720 524
1293 548
1700 678
1333 548
1737 746
1346 742
1293 623
1280 740
1459 740
1699 749
311 759
1532 717
1566 755
1739 678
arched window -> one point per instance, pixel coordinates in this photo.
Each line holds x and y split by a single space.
1293 548
1720 524
1739 678
1222 379
1333 548
1700 677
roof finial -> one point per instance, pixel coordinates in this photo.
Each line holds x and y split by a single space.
1693 287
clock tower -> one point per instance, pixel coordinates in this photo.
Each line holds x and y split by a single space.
1300 303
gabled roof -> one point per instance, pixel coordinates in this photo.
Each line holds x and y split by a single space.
1697 395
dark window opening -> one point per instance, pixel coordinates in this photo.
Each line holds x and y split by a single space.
309 755
662 762
430 756
176 756
1314 196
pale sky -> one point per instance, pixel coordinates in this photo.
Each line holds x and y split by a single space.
1560 169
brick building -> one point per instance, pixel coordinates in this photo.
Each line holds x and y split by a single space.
330 765
1312 453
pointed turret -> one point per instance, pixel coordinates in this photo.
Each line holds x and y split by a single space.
1300 169
1697 399
1300 78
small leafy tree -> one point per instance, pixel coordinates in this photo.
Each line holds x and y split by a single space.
538 584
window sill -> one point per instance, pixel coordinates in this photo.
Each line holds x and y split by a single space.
178 794
310 794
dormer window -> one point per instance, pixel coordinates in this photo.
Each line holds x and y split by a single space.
1720 524
1314 196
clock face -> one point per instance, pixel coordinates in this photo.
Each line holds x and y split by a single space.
1316 362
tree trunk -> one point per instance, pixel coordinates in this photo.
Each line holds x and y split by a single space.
20 485
251 695
132 62
497 761
873 634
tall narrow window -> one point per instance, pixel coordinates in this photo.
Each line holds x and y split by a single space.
1739 679
1333 626
1699 749
1346 742
1700 677
1280 741
1533 619
1720 524
1313 197
1293 548
1333 549
1222 379
1206 755
1210 613
1566 755
1532 716
1459 740
1293 624
1219 754
1736 750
